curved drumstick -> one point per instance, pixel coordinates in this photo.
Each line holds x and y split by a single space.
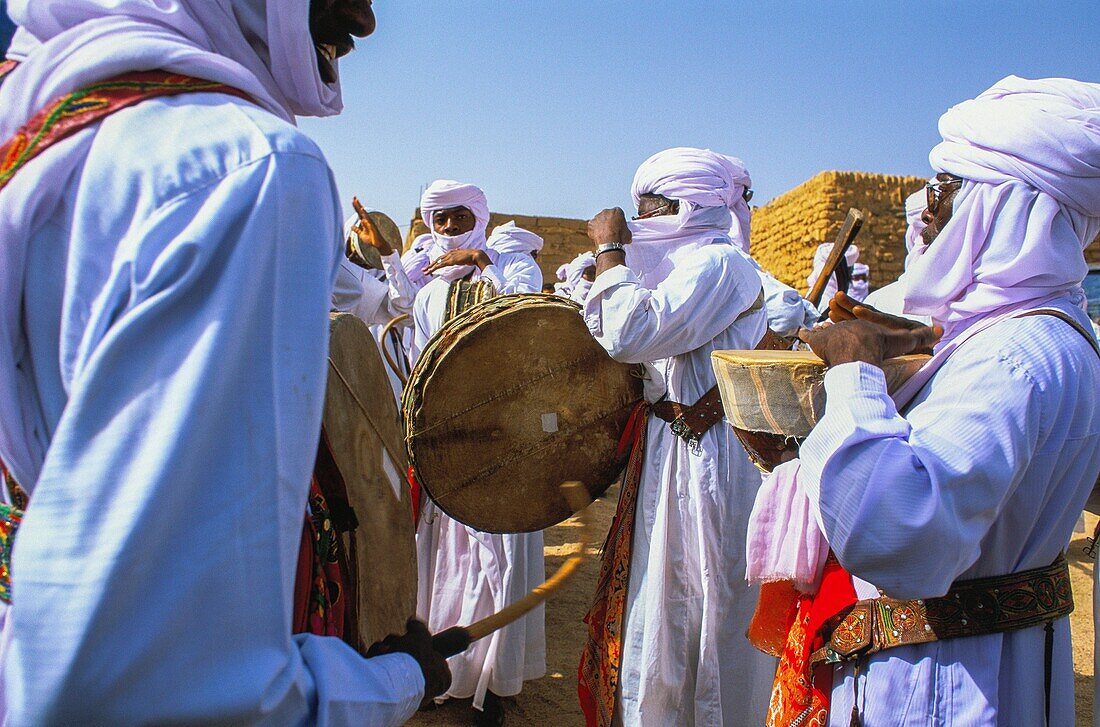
457 639
394 322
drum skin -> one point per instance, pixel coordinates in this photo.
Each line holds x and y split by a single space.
509 400
773 398
364 432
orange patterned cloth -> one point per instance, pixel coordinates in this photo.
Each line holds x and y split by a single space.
801 692
598 675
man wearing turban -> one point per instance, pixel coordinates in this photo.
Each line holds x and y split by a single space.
166 275
947 506
666 632
465 574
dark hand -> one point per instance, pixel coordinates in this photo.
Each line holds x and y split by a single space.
844 308
366 231
609 226
417 643
460 257
860 340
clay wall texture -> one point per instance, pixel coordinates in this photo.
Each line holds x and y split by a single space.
785 231
564 238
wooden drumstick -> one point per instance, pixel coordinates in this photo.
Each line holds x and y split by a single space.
848 232
457 639
397 320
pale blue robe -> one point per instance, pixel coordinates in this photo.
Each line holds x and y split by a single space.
984 474
685 658
176 311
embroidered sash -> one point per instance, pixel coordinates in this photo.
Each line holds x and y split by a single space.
598 674
80 109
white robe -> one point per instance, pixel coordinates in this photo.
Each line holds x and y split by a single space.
465 575
685 658
984 475
176 315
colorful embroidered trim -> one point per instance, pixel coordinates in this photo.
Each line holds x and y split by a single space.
10 517
71 113
601 660
6 67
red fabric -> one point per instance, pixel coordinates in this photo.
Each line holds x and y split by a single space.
416 495
798 693
319 585
598 673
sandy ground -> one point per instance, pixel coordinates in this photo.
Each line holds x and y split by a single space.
552 700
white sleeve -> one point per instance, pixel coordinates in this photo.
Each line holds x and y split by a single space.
401 290
514 273
700 299
156 565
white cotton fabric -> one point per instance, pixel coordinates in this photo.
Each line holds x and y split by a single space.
1029 151
183 280
511 238
858 289
576 287
465 575
444 194
67 44
710 189
891 298
952 489
416 258
685 659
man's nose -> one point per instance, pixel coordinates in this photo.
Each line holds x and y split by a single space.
927 217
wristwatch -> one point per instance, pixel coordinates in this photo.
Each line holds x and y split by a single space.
608 247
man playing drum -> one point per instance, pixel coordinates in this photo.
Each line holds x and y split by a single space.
466 574
957 501
166 275
666 643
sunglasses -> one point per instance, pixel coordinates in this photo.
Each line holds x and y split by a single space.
939 190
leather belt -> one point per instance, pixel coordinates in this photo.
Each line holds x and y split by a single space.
971 608
690 423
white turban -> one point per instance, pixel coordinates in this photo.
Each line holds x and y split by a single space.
1030 154
710 188
445 194
576 287
510 238
914 210
858 289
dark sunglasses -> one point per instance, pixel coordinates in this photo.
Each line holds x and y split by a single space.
939 190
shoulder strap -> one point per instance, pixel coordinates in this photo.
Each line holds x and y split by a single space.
67 115
1061 315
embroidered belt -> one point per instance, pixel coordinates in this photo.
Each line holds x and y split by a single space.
971 608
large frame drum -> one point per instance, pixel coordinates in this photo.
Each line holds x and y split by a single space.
509 400
364 434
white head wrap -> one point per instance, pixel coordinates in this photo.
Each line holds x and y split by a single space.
821 255
576 285
511 238
1030 154
858 289
710 188
445 194
914 210
262 47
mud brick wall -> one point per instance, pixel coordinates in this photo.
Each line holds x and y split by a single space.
787 230
564 238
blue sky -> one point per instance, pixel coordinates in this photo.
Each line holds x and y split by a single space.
551 106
